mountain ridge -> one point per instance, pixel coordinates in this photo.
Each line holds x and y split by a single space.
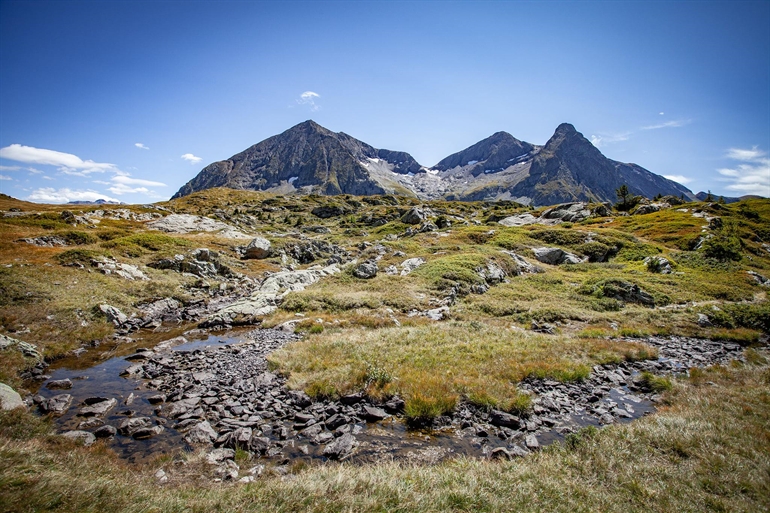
310 159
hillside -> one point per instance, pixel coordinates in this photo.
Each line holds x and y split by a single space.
227 349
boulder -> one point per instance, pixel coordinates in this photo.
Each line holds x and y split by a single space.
114 315
186 223
373 414
9 398
555 256
327 211
524 267
341 448
201 433
519 220
504 419
105 432
258 248
414 215
567 212
366 270
59 384
57 405
658 264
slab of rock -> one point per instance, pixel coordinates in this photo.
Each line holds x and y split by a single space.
341 448
504 419
567 212
186 223
84 437
105 432
98 408
57 405
519 220
59 384
27 349
373 414
9 398
258 248
524 267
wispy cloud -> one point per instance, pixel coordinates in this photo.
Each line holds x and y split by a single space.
4 177
309 98
124 184
141 146
668 124
679 179
751 175
66 162
51 195
11 168
604 139
192 159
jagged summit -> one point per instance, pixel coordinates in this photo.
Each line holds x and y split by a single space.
308 158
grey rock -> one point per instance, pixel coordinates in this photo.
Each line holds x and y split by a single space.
531 442
128 427
519 220
555 256
258 248
147 432
341 448
567 212
57 404
106 431
27 349
83 437
114 315
501 418
410 264
300 398
761 280
98 407
704 321
373 414
500 453
366 270
414 215
219 455
201 433
9 398
658 264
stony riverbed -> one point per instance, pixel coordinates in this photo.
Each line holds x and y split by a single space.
222 396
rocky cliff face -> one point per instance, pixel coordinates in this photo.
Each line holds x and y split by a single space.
308 158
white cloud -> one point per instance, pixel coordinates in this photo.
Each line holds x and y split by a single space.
309 98
121 189
66 162
668 124
141 146
661 113
46 177
4 177
604 139
126 180
752 176
679 179
51 195
11 168
192 159
34 171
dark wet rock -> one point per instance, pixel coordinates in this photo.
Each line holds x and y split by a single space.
56 405
335 421
328 211
501 418
352 398
366 270
59 384
373 414
259 444
201 433
147 432
300 398
106 431
258 248
156 399
340 448
83 437
395 405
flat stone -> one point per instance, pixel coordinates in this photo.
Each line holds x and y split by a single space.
9 398
59 384
98 408
341 448
84 437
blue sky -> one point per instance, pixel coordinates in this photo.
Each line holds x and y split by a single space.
128 100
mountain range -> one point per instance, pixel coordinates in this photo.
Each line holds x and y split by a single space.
310 159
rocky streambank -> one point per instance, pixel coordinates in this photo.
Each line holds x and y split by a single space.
225 398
